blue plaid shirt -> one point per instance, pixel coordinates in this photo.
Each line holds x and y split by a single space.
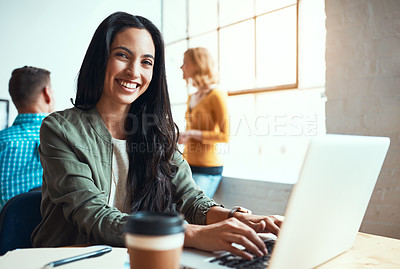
20 168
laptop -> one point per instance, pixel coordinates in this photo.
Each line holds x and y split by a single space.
326 205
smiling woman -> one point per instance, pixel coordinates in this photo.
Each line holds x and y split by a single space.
128 74
116 153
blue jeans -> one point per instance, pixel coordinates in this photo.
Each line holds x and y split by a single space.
207 183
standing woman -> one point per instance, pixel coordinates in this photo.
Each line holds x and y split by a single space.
207 123
115 153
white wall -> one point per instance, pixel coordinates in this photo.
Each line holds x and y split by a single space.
363 90
55 35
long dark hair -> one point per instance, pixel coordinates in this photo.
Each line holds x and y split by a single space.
151 132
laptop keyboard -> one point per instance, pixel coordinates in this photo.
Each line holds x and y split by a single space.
234 261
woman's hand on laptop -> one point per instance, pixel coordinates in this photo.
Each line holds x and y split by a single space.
262 224
221 235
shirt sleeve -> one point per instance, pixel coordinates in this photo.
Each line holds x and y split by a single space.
191 201
219 112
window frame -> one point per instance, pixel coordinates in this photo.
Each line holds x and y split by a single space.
293 86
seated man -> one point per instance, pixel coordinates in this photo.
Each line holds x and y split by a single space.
20 168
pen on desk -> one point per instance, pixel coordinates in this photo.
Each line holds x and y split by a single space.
88 255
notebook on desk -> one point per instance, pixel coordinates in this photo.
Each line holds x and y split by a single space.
326 206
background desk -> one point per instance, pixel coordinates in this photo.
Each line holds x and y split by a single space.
368 251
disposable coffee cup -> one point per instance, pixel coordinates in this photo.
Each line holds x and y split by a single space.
154 240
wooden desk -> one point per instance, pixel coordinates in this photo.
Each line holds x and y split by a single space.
368 251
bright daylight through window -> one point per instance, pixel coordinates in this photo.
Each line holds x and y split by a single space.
256 45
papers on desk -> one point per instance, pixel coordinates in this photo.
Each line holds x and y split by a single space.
36 258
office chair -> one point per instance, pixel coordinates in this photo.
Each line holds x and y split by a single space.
18 218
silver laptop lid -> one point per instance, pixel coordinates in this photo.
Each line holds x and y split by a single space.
328 203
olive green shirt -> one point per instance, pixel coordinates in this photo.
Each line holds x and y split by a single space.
76 155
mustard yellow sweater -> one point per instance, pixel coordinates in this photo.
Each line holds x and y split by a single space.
210 116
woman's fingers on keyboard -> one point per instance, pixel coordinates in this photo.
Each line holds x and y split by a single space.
221 236
244 235
272 227
274 223
241 253
234 231
266 224
252 247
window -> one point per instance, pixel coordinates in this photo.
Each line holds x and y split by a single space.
271 61
254 40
